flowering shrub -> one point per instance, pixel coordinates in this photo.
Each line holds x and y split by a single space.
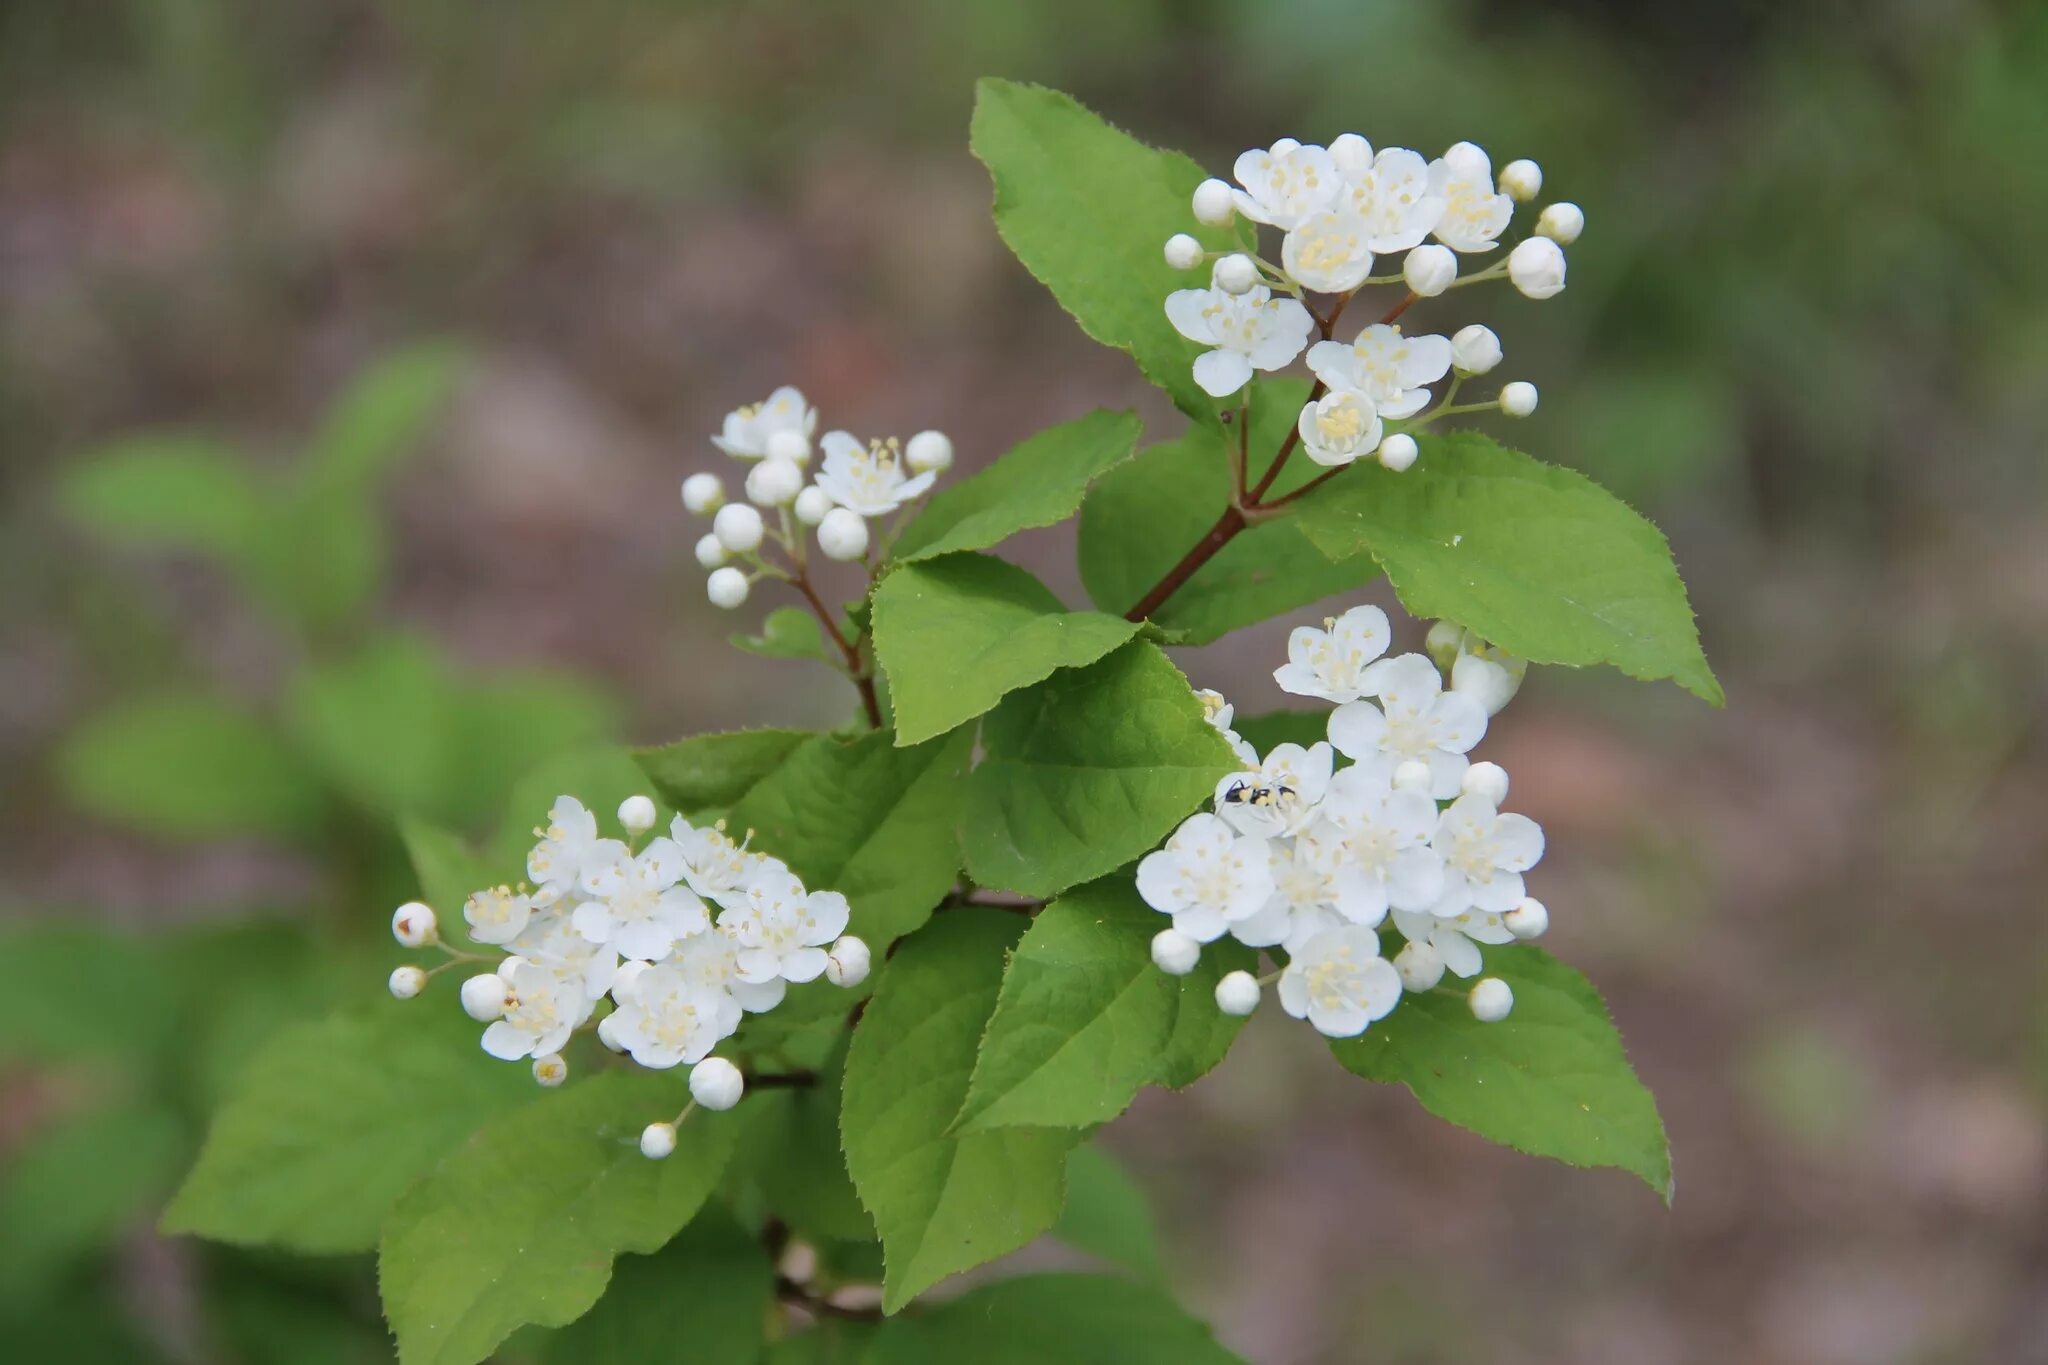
1070 860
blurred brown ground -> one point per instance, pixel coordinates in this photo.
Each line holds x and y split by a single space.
1794 337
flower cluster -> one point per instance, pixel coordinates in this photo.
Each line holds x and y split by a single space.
855 482
676 940
1310 858
1340 209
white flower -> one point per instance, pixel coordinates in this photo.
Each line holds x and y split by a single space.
1331 663
1249 331
550 1071
1206 877
1380 839
1485 854
553 942
1310 882
1280 795
569 846
541 1011
871 479
781 930
712 863
748 429
1536 266
667 1017
1338 428
1328 252
712 960
1474 213
639 907
1393 370
1218 713
1400 197
1286 183
1340 983
1455 940
497 914
1421 723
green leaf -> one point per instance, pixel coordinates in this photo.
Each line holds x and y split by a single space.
792 1154
1538 559
866 819
1268 731
1040 482
1144 516
1086 208
184 765
71 992
942 1201
165 492
1085 1018
381 417
956 634
1107 1215
522 1224
381 725
509 723
332 1120
786 633
76 1184
1551 1079
1072 1319
316 560
713 772
704 1296
1086 771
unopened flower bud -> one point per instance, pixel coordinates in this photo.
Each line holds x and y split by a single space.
636 814
657 1140
1174 952
1529 919
711 551
843 535
1536 266
789 444
727 588
774 482
413 924
928 451
846 964
1430 269
1518 399
1420 964
1443 642
703 494
811 505
1491 1000
406 982
1412 775
1237 993
1561 223
551 1070
1487 781
716 1083
1214 204
1183 252
1521 180
1474 349
484 997
1398 451
738 527
1489 676
1352 155
1236 273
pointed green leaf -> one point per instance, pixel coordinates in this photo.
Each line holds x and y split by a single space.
165 492
381 416
1086 208
1086 771
942 1201
1551 1079
1107 1215
522 1223
713 772
704 1296
1033 1319
1538 559
786 633
1040 482
1085 1018
955 634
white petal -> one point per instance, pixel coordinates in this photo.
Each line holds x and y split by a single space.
507 1041
805 964
1459 953
1519 841
1357 728
1186 309
1222 373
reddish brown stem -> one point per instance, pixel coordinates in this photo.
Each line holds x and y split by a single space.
850 649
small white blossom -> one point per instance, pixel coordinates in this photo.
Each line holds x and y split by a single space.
748 430
1286 183
1420 723
1218 713
1393 370
1248 331
552 941
871 480
1330 663
541 1011
1456 940
1485 854
569 846
1400 197
781 929
712 961
1280 795
638 905
550 1071
498 914
1340 983
1474 213
1536 267
666 1017
1338 428
1379 839
712 863
1328 252
1206 877
636 815
1309 881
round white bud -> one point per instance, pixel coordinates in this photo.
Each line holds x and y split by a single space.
1561 223
738 527
928 451
1487 680
1491 1000
1536 266
716 1083
847 962
550 1071
1183 252
1420 964
1236 273
774 483
484 997
1487 781
711 551
1214 204
1430 269
727 588
843 535
1529 919
1352 155
789 444
1518 399
703 494
657 1140
799 1263
811 505
636 814
1474 349
413 924
406 982
1398 451
1443 642
1237 993
1174 952
1412 776
1521 180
